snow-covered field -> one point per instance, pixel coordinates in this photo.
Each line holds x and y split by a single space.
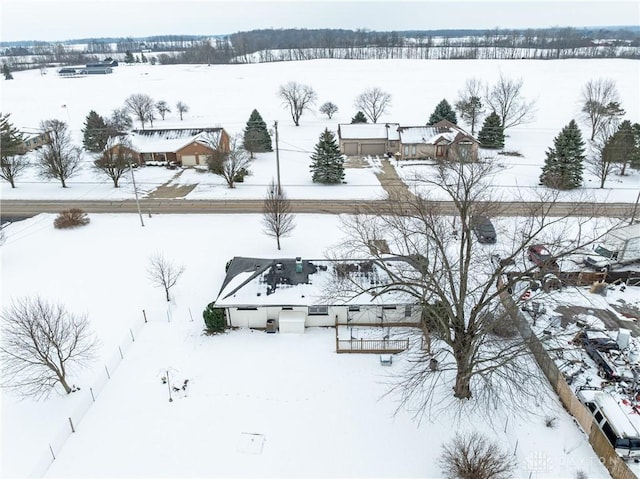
225 95
256 404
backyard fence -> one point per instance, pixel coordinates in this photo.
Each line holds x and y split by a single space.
84 398
390 346
598 441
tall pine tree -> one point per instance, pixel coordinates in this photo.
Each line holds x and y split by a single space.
359 118
12 163
563 166
443 111
95 132
621 147
327 162
492 133
256 135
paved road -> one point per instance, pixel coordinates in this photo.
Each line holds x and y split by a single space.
25 208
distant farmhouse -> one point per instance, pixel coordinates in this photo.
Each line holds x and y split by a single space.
444 140
34 142
291 294
101 68
184 146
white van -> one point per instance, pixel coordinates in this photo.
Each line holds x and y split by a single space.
620 427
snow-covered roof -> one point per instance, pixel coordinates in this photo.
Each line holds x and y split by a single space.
253 282
171 140
369 131
425 134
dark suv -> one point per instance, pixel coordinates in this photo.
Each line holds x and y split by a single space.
483 229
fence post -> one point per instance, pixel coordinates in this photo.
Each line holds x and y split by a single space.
190 314
92 396
107 370
133 338
120 350
516 449
73 429
51 449
144 313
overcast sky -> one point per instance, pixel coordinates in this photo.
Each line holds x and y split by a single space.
57 20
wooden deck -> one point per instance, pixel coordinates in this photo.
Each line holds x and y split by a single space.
369 346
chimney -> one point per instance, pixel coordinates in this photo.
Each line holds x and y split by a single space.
298 264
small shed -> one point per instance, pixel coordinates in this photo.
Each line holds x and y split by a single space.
291 321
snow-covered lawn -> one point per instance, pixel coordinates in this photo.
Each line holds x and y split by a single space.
256 404
225 95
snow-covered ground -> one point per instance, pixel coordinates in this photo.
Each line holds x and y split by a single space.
225 95
256 404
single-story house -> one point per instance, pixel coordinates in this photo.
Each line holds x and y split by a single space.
362 139
185 146
442 140
293 293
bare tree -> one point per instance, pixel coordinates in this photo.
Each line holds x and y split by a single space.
600 104
141 106
163 273
474 456
277 219
505 98
11 167
182 108
328 108
42 345
298 98
58 158
600 159
115 159
232 165
456 283
162 108
373 102
469 104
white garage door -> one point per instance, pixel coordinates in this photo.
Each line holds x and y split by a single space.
373 149
351 149
291 321
188 160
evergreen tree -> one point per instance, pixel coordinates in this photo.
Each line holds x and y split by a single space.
128 57
563 166
256 136
143 58
492 133
634 161
327 162
96 132
12 163
621 147
359 118
443 111
6 71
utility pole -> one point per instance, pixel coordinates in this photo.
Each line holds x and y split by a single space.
135 191
275 126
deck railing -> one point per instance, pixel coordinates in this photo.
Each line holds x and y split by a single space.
391 346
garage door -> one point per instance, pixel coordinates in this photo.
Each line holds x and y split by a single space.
373 149
351 149
188 160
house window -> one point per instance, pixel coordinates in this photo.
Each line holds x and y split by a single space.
247 309
407 311
388 307
287 308
318 310
354 309
414 150
439 150
392 144
406 150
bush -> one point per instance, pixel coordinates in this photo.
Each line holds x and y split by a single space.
474 456
214 318
239 178
71 219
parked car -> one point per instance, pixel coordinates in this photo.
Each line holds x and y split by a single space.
541 257
484 230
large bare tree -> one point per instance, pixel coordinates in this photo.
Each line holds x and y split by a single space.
297 98
141 106
480 360
42 345
232 165
600 104
277 219
373 102
164 273
506 99
115 159
58 158
182 108
469 104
